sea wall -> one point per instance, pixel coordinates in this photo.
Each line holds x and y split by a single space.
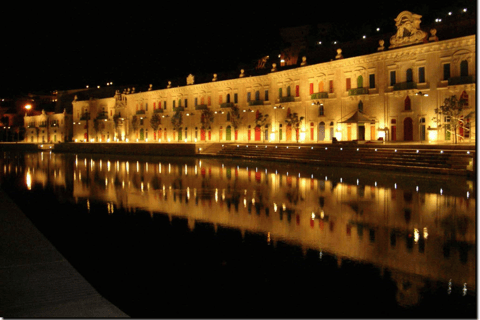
171 149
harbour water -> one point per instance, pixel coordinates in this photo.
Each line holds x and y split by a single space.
192 237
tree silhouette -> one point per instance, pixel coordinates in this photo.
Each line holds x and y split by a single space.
453 108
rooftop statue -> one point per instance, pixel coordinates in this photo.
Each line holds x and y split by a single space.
408 30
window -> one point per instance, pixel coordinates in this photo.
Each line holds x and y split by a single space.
464 68
146 106
311 88
330 87
392 78
409 75
446 71
360 106
196 102
266 95
372 81
186 103
228 97
297 91
165 105
288 91
249 96
257 95
321 110
360 82
349 84
280 92
235 97
408 105
220 99
320 86
421 74
173 102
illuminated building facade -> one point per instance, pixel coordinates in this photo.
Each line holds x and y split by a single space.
391 95
48 127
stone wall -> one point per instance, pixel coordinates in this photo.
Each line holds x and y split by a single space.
173 149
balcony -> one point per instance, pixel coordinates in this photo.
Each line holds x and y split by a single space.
255 103
226 105
460 80
287 99
319 95
179 109
140 112
201 107
158 110
404 86
357 91
85 116
102 115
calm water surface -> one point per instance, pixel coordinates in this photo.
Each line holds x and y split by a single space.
186 237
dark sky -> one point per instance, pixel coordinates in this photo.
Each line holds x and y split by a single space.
66 46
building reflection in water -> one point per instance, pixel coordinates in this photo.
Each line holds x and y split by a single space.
418 227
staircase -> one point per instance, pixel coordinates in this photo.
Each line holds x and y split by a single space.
427 159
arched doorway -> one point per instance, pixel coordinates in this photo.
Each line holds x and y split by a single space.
321 131
312 131
228 136
202 134
141 134
408 129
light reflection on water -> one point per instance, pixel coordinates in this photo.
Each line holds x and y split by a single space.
414 225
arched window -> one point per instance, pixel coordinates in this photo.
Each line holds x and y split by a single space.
360 106
257 95
228 97
360 82
288 91
408 105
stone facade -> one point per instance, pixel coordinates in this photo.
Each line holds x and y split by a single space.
48 127
389 95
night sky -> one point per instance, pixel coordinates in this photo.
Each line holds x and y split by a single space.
67 46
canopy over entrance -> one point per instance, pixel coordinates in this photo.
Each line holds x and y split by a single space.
357 117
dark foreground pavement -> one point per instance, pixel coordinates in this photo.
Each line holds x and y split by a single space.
36 281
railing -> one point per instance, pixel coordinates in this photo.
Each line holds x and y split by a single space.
255 103
158 110
319 95
201 107
179 109
102 115
85 116
405 86
460 80
357 91
226 105
140 112
287 99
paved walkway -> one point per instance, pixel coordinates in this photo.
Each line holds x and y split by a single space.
36 281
